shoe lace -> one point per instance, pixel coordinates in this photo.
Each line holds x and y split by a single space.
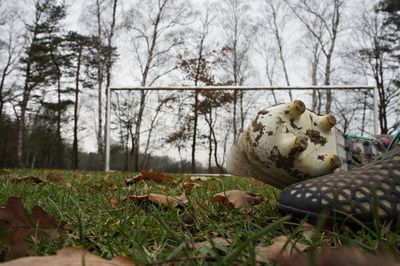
395 141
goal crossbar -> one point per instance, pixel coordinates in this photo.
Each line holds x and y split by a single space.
240 88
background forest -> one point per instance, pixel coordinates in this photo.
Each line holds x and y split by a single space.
57 59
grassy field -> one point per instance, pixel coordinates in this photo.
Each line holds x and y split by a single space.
154 235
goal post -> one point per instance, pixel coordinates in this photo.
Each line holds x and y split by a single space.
240 88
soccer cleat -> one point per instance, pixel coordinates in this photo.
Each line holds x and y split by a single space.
367 192
286 144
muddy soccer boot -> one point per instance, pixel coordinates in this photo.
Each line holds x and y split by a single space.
286 144
367 192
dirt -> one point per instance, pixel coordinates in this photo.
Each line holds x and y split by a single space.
294 125
263 112
315 137
258 127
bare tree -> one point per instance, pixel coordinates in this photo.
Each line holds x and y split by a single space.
269 55
12 49
126 116
328 15
276 18
239 32
156 29
196 65
371 57
101 21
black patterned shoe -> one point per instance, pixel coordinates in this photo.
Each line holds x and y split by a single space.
365 193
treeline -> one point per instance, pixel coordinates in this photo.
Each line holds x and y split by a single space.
43 153
55 71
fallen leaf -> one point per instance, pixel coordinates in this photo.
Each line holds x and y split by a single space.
34 179
98 187
238 198
165 201
148 175
281 246
190 186
308 231
144 187
16 225
199 178
206 244
54 177
68 186
344 256
114 202
106 178
5 171
70 256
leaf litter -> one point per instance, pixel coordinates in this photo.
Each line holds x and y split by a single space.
34 179
19 225
71 256
148 175
281 246
238 198
162 200
16 226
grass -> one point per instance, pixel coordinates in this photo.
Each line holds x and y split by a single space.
157 236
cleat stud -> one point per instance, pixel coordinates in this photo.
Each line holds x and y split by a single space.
297 108
334 162
327 122
301 143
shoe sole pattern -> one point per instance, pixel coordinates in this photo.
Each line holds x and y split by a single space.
371 191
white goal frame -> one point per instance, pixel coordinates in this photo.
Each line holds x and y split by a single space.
240 88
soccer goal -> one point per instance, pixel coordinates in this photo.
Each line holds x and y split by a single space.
232 88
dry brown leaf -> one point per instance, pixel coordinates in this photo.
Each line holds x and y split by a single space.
144 187
98 186
217 241
34 179
190 186
344 256
114 202
68 186
148 175
308 231
165 201
70 256
281 247
54 177
5 171
17 226
238 198
106 177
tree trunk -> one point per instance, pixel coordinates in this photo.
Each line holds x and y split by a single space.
138 129
3 79
143 94
194 137
75 150
328 82
214 138
235 98
21 124
100 78
280 47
